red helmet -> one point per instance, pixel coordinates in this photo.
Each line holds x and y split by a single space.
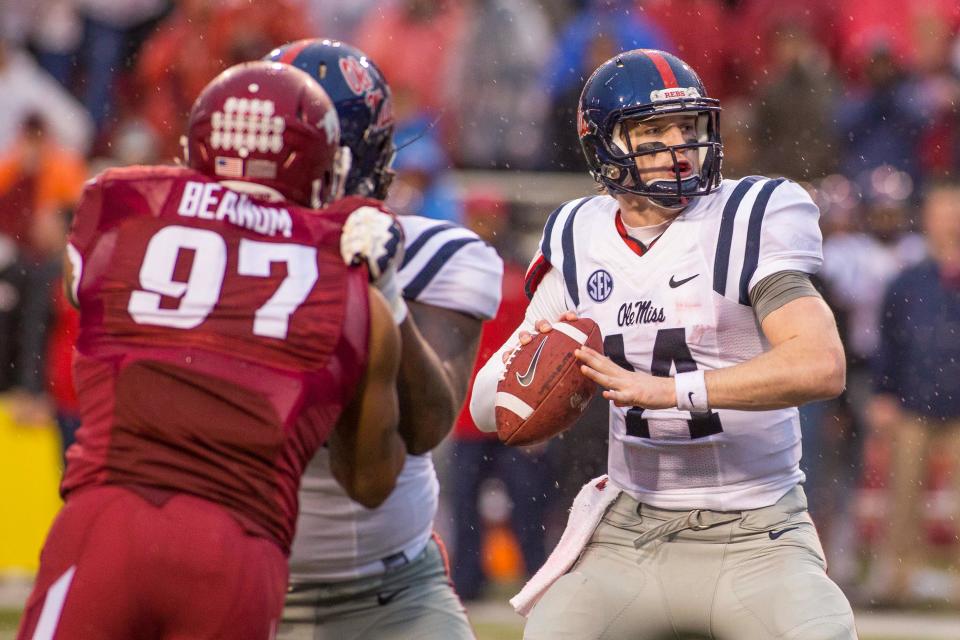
270 124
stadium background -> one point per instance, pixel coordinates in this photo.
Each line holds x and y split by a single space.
856 99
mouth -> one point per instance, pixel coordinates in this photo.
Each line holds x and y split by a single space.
669 172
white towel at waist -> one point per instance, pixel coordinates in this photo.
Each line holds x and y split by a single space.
588 509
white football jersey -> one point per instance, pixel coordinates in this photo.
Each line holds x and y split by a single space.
681 306
338 539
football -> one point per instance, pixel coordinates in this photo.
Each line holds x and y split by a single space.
543 392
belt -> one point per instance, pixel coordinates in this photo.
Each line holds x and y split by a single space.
696 520
793 501
395 561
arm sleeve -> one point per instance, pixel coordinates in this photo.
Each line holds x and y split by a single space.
469 282
86 217
790 238
778 289
548 303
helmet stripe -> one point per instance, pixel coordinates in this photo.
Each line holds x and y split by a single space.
293 51
666 72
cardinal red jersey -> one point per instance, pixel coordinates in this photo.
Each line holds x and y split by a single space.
220 337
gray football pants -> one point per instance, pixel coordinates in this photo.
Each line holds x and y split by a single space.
415 602
652 574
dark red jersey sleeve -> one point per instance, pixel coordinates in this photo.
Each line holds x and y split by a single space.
86 216
116 194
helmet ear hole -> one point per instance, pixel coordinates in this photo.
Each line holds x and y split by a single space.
611 172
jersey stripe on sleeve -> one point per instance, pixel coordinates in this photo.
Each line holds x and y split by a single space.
548 233
722 259
420 281
752 254
414 247
569 255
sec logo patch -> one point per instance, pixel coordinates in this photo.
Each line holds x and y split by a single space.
599 285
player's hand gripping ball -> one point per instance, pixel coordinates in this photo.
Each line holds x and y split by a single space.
543 392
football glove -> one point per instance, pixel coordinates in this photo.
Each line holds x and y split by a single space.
374 238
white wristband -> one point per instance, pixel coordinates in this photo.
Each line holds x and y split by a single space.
691 391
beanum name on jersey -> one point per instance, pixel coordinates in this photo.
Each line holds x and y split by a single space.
639 312
205 200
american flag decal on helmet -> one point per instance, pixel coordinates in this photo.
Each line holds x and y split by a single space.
228 167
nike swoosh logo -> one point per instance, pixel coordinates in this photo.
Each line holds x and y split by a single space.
690 397
386 598
676 283
776 534
526 379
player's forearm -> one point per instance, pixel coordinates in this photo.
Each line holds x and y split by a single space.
483 399
548 303
428 406
366 451
369 475
377 478
794 372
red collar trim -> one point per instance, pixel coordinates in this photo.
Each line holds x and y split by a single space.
635 245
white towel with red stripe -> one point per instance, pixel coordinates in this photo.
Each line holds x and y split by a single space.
588 509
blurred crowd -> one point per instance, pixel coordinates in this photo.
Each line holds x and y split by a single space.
855 99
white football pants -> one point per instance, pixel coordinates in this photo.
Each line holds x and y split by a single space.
651 573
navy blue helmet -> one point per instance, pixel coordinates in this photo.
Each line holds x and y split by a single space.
361 96
638 85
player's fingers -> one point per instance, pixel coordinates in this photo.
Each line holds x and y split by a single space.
596 360
619 398
616 398
600 378
568 316
543 326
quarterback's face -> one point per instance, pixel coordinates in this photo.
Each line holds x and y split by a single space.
664 131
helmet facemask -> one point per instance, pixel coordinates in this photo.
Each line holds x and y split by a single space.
332 186
372 173
692 177
613 157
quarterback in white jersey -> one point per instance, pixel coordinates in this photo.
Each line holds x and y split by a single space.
381 573
713 335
